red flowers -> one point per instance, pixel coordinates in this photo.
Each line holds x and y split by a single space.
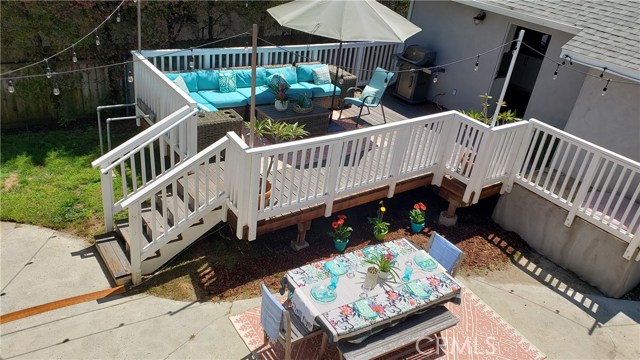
340 230
417 214
335 224
420 206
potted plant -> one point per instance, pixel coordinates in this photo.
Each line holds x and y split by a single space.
304 104
380 227
340 233
386 265
279 89
417 216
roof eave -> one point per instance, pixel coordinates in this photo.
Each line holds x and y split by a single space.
617 70
568 28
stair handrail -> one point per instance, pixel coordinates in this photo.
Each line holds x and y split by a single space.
143 138
150 140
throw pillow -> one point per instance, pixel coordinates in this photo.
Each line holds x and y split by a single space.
275 80
305 71
288 72
179 81
321 75
370 92
227 81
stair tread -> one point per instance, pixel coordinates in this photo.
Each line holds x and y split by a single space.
178 212
112 251
125 231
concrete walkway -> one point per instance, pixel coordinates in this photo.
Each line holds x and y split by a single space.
559 314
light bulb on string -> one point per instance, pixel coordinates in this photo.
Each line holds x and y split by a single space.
341 80
246 46
130 77
191 61
74 57
604 91
475 68
555 73
56 90
435 79
602 74
10 87
48 69
118 17
97 40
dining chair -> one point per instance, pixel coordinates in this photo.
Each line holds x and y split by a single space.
371 95
280 325
444 252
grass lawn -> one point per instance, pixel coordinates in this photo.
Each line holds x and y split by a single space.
47 179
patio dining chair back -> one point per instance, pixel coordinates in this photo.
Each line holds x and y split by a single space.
371 95
279 325
444 252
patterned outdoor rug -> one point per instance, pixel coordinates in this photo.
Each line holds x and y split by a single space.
480 334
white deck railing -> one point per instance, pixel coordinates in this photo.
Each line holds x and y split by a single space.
156 90
145 158
358 58
591 182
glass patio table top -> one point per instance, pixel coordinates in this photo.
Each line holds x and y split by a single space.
352 311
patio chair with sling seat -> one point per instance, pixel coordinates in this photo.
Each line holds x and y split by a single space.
279 325
371 95
444 252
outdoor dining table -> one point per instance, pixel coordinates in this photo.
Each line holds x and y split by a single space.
356 312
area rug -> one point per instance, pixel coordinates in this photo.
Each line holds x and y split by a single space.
480 334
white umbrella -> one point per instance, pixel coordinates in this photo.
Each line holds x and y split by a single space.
345 20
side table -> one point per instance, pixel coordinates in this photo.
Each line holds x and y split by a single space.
215 124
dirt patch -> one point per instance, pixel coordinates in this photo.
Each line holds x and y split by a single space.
11 182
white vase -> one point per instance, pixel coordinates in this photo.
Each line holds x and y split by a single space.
280 106
383 275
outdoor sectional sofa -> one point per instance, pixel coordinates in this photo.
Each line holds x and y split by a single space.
204 86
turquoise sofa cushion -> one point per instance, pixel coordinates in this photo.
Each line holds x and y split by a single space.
224 100
323 90
198 98
207 107
243 77
296 90
305 72
190 79
264 95
289 73
208 80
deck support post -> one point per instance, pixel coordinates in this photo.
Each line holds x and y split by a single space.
300 242
449 217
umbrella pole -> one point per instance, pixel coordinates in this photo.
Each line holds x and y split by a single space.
337 62
252 109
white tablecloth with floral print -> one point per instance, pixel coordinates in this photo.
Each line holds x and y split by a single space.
391 300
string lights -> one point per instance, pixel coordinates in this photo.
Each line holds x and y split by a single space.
11 88
555 73
475 68
130 77
192 64
74 57
97 40
56 89
48 69
604 91
602 73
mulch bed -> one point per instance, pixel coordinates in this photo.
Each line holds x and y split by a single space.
223 268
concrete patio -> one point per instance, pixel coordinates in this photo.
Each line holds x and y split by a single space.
558 313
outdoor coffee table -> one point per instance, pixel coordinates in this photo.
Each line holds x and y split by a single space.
390 301
316 122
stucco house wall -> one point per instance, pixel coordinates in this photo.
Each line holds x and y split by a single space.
611 121
449 29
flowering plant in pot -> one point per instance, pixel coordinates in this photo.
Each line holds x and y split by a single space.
340 233
279 88
380 227
417 217
386 265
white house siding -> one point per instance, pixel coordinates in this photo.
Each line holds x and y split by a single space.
448 28
611 121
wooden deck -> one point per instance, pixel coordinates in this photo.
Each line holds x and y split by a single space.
395 110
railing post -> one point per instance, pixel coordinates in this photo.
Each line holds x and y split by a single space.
135 250
584 187
399 149
480 170
332 177
254 190
106 183
445 149
357 67
192 135
523 138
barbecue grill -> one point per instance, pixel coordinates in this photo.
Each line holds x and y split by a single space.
412 86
